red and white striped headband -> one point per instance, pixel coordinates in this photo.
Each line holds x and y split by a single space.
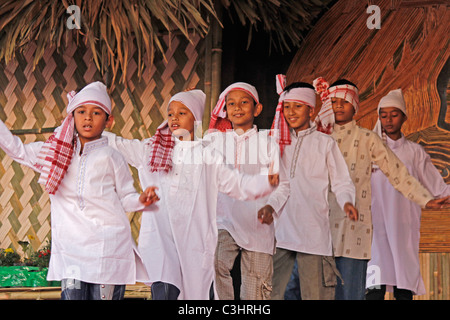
344 91
325 118
280 128
219 119
301 95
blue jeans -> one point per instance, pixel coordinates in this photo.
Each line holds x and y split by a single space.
353 272
292 291
78 290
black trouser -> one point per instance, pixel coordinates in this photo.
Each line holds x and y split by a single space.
378 294
166 291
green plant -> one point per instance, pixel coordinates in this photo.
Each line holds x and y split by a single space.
8 257
40 258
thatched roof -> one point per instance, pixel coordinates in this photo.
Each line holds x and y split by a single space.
106 26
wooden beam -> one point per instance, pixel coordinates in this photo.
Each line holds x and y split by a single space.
136 291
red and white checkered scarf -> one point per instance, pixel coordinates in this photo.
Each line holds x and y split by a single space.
219 119
163 141
162 144
325 118
56 153
280 128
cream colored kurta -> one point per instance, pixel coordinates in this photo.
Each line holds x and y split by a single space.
360 147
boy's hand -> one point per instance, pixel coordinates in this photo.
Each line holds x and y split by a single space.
265 214
351 211
274 178
442 203
149 196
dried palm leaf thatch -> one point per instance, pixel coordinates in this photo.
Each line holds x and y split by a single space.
110 28
113 28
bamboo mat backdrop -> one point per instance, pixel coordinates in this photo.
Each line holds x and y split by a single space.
34 99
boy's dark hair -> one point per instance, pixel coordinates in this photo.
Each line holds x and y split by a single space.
343 81
298 85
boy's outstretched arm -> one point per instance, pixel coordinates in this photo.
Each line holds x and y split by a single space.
242 186
26 154
132 150
277 198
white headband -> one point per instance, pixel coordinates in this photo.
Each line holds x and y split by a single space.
248 88
302 95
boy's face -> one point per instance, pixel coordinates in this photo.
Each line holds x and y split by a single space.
297 115
90 121
241 109
181 121
392 120
343 110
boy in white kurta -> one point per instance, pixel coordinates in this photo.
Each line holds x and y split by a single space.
91 189
360 147
394 264
314 164
178 234
251 151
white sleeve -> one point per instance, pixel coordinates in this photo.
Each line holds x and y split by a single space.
242 186
26 154
125 188
280 195
134 151
430 177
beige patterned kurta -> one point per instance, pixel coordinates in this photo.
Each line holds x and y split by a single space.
360 147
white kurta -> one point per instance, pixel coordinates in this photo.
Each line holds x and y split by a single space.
91 234
396 221
252 153
314 163
178 235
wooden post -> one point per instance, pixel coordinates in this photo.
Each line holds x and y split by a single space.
207 80
213 65
216 58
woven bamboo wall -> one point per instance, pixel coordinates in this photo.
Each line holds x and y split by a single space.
34 99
